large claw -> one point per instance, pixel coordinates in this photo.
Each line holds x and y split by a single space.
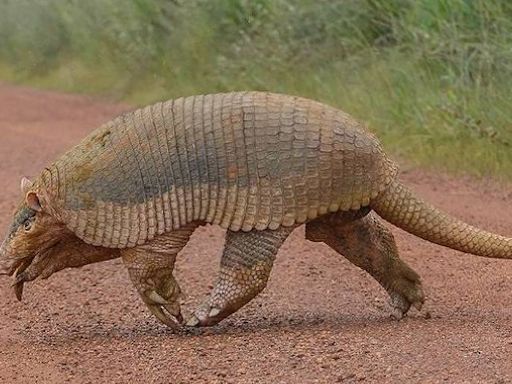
168 314
164 304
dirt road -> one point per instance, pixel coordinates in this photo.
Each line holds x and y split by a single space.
321 320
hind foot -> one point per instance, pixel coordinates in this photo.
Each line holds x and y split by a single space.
245 268
405 291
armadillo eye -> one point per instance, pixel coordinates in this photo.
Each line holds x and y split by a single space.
27 225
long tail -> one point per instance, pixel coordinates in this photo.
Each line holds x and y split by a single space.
399 206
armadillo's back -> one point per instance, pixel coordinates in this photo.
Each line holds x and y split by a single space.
241 160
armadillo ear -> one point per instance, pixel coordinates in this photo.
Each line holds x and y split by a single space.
33 201
26 184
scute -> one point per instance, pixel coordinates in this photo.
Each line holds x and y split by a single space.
242 160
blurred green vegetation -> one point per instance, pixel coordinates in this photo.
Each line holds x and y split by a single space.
432 78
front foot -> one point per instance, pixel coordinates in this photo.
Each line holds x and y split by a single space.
160 292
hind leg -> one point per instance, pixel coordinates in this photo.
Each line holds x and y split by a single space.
367 243
244 270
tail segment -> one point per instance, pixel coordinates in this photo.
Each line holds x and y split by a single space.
399 206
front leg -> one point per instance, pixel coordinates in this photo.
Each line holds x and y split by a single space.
244 270
150 267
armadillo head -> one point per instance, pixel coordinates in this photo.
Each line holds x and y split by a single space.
32 235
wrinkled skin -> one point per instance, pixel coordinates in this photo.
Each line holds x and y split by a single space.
38 245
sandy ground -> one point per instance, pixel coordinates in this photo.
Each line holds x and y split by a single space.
321 320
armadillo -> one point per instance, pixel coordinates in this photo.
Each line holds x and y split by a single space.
258 164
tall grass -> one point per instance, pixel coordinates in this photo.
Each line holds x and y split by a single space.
431 78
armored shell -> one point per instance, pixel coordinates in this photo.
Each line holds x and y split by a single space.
243 160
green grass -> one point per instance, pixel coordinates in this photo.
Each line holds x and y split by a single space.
431 78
